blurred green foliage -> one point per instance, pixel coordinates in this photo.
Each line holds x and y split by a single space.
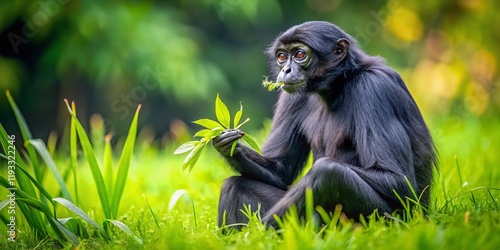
173 56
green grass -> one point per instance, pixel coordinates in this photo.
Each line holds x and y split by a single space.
167 208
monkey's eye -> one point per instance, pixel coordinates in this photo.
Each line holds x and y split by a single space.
300 55
281 57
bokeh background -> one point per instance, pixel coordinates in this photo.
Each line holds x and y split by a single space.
174 56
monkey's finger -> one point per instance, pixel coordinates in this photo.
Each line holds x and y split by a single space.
228 134
232 130
227 138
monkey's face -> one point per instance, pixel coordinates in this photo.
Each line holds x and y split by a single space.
293 60
308 57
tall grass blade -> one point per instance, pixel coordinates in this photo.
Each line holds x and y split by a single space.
42 190
92 161
75 225
108 165
26 135
403 202
194 215
31 206
324 215
459 173
73 153
309 205
31 216
34 218
62 232
473 199
21 122
152 213
124 164
97 133
45 155
120 225
413 192
52 143
336 214
4 203
78 211
494 201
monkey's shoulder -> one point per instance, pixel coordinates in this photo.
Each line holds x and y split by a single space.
374 72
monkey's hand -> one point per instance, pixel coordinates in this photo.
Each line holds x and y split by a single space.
225 140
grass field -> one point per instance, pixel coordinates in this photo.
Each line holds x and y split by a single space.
166 208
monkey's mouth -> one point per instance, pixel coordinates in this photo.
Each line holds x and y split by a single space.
292 83
292 86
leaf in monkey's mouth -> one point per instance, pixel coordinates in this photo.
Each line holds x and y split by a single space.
271 85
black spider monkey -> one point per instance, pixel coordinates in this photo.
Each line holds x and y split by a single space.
352 111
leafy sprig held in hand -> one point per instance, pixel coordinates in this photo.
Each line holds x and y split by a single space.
211 130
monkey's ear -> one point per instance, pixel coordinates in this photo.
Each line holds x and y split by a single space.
342 48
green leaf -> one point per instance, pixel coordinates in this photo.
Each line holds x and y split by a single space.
213 129
196 156
188 146
63 231
175 198
233 147
193 156
78 211
207 123
251 142
120 225
215 132
238 115
88 151
222 113
271 85
218 129
75 225
124 164
212 134
202 133
45 155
